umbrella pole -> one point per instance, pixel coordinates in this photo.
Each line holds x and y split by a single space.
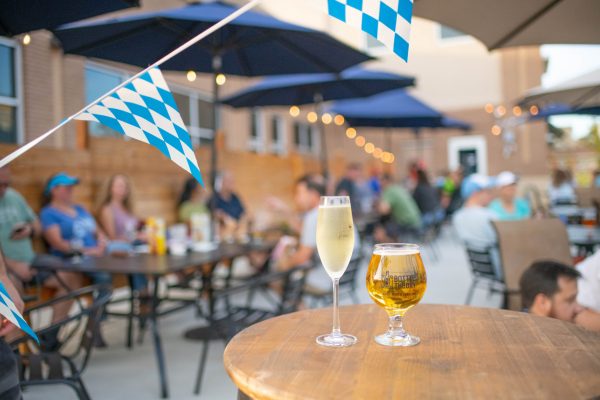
324 167
214 151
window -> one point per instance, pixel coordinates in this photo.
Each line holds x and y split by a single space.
98 81
195 108
10 92
305 138
257 141
277 135
449 33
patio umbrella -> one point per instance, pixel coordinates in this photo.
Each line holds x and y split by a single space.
252 45
394 109
562 109
510 23
317 88
577 93
20 16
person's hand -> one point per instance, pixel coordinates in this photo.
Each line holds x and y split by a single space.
97 251
21 231
5 325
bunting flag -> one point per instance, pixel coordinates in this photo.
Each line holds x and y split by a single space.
145 110
10 312
388 21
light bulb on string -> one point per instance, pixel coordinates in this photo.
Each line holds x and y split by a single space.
312 117
294 111
221 79
350 133
191 76
326 118
339 120
360 141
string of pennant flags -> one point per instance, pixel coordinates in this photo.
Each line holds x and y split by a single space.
143 108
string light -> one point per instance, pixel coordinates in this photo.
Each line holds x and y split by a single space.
339 120
294 111
501 111
312 117
191 76
534 110
391 159
351 133
489 108
360 141
517 111
377 153
369 148
221 79
326 118
26 39
496 130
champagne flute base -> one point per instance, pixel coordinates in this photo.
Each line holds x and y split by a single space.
405 340
342 340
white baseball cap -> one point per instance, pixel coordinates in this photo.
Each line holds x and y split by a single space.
506 178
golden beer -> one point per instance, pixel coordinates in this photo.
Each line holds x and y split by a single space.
396 281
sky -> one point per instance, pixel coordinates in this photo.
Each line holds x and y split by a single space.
566 62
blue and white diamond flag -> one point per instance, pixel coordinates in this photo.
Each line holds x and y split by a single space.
145 110
388 21
10 312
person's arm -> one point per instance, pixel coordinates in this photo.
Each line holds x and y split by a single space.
55 240
100 248
107 223
5 326
384 207
588 319
302 256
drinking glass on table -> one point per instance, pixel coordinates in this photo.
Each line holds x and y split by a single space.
396 281
335 242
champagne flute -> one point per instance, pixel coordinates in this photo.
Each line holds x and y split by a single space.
396 281
335 242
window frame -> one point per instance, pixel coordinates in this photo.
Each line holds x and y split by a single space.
17 101
257 122
279 146
308 137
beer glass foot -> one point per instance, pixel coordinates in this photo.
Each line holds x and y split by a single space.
405 340
342 340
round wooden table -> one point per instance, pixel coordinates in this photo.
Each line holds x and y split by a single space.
465 352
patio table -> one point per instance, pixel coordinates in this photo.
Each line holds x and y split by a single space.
585 238
154 267
465 352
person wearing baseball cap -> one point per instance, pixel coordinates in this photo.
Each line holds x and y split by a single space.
473 222
508 207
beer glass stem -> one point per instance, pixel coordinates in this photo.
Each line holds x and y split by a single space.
336 313
396 329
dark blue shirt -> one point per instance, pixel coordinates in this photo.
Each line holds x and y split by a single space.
232 207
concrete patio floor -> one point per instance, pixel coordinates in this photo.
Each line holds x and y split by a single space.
117 373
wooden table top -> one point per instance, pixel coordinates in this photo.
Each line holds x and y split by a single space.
465 352
147 264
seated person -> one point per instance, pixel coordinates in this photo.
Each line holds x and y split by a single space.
18 224
589 283
69 229
228 208
509 207
427 199
404 215
308 192
118 222
549 289
192 201
473 221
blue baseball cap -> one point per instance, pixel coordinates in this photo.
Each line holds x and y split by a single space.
60 179
475 183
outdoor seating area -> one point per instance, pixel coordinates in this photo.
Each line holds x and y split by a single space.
226 199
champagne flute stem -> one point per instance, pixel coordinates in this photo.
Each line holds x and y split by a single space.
336 312
396 327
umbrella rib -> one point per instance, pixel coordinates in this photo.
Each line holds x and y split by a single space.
304 54
525 24
578 103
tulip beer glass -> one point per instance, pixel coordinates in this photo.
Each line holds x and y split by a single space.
396 281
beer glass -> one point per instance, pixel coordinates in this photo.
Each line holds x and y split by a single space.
396 281
335 242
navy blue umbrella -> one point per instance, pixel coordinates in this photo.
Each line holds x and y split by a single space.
253 44
393 109
19 16
302 88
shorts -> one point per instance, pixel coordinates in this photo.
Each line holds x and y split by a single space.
9 373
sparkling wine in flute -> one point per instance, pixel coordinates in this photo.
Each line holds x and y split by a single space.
335 238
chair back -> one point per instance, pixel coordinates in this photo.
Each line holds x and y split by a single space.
349 277
94 315
521 243
481 263
293 289
586 196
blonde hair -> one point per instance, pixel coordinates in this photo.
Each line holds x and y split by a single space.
105 196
